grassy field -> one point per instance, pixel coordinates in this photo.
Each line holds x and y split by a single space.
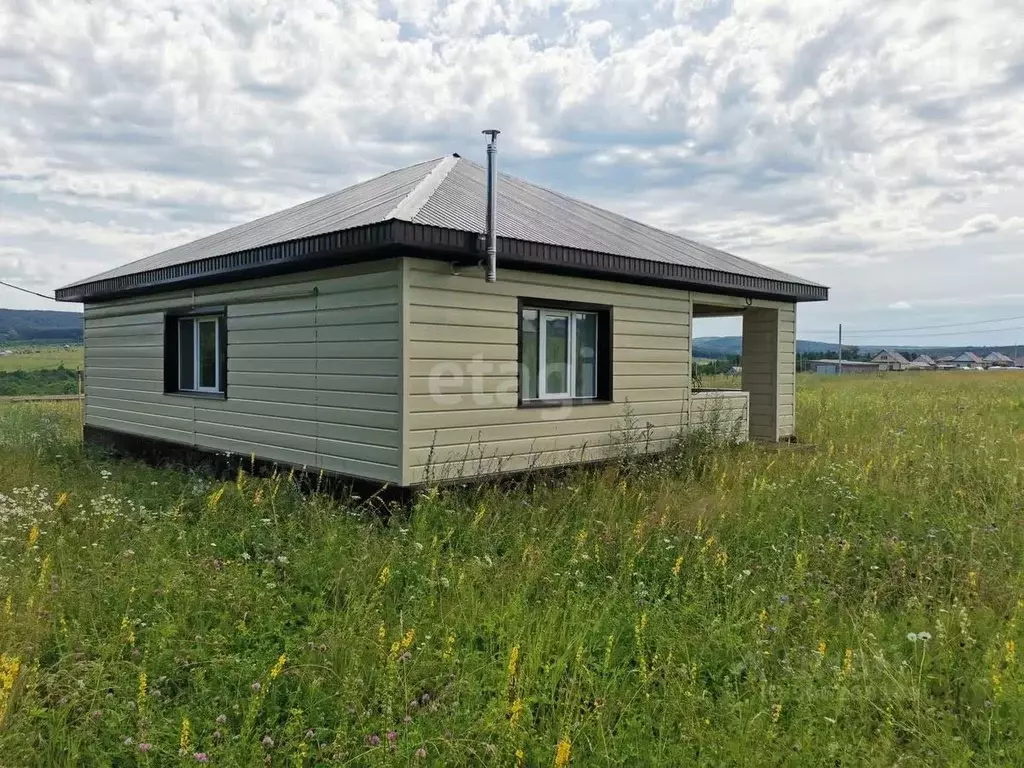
40 358
854 603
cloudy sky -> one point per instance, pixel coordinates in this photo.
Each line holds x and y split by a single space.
876 146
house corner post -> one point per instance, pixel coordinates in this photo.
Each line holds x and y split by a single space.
769 371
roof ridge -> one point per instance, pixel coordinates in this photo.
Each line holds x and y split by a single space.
411 204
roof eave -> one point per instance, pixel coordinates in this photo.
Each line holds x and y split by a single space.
366 242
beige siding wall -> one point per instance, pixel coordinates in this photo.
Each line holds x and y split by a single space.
314 371
725 412
461 357
769 370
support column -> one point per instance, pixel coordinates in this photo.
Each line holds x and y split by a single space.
769 371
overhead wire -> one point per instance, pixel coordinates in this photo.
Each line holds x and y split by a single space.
27 290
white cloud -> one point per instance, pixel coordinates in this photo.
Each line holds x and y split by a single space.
875 146
901 305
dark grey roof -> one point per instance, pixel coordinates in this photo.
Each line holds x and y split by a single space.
536 227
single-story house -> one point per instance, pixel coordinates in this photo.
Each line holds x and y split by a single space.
890 360
924 361
997 360
829 367
357 334
968 360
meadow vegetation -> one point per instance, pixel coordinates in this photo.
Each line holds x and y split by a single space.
30 357
854 602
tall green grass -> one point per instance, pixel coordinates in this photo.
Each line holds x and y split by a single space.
855 602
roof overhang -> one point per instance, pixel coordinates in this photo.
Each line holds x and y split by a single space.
391 238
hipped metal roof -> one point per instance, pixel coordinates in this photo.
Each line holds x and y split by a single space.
438 208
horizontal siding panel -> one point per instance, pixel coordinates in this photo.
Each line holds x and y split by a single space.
259 371
144 429
464 334
631 354
142 405
646 316
354 366
270 351
361 332
269 451
642 395
374 297
252 437
360 417
577 430
486 316
150 333
360 384
387 473
251 323
455 351
366 401
342 447
139 418
278 335
624 342
486 416
145 381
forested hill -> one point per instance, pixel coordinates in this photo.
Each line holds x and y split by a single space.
32 325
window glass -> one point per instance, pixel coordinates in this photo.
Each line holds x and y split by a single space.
186 354
530 355
586 354
207 354
556 354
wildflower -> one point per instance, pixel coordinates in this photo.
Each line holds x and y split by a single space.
562 752
217 735
373 740
449 648
128 741
221 719
848 662
972 580
214 498
915 636
721 558
392 736
267 741
513 667
97 714
246 556
421 753
142 689
822 647
425 699
677 566
278 666
33 536
517 710
201 757
145 746
520 758
1010 655
185 740
762 620
256 687
282 559
776 711
783 599
385 576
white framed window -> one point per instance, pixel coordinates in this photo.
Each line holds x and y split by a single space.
564 353
200 359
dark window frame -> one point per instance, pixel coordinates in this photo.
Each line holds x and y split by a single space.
605 393
172 318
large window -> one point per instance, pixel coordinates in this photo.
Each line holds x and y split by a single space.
565 352
195 354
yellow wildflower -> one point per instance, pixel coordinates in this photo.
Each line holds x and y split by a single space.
61 500
215 498
278 666
563 752
776 711
8 606
10 667
141 700
514 713
520 758
185 740
385 576
449 648
677 566
408 639
848 662
721 559
972 580
513 668
481 511
762 620
1010 656
822 647
33 536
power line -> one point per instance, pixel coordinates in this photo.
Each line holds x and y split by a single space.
946 333
858 332
26 290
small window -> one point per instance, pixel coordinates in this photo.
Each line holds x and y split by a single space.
565 353
195 359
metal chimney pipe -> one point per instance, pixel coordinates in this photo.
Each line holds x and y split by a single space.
492 205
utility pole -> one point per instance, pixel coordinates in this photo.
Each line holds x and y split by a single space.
840 349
